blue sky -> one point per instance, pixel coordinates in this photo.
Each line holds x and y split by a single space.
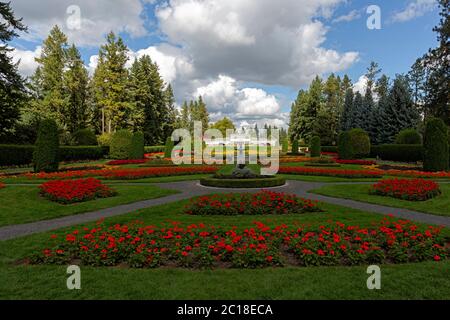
248 58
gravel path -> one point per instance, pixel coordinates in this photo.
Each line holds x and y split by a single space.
190 189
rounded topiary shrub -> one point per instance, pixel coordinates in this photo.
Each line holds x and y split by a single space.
168 148
360 143
104 139
84 137
137 146
408 136
295 146
120 147
45 155
435 144
345 148
314 147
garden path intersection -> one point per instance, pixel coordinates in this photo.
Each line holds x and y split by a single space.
189 189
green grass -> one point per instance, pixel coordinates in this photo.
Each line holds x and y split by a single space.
22 204
426 280
439 205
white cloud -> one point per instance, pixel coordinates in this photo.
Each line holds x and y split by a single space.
97 18
414 9
265 41
361 85
224 97
27 64
352 15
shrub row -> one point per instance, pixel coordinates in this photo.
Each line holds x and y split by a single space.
151 149
19 155
329 149
398 152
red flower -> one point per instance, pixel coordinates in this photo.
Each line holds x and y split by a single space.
437 258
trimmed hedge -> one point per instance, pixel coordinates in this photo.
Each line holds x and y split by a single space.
45 155
295 146
151 149
360 142
21 155
408 136
84 137
345 148
120 147
314 148
16 155
168 148
329 149
436 154
77 153
137 146
398 152
243 183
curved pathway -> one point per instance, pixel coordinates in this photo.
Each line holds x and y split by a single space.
190 189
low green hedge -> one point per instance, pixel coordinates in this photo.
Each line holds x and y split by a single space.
329 149
16 155
151 149
398 152
243 183
76 153
326 165
21 155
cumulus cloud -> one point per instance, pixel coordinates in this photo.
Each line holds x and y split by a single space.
26 61
414 9
361 85
96 18
225 97
270 42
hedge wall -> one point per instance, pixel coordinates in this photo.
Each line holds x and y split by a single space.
398 152
329 149
151 149
243 183
20 155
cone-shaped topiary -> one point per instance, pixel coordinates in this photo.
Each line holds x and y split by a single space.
360 142
137 146
435 144
314 147
45 155
284 145
168 148
295 146
121 142
345 149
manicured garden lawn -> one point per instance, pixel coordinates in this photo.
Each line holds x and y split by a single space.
22 204
439 205
427 280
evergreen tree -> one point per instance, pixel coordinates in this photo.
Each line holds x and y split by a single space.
185 116
400 112
358 118
171 115
48 79
75 88
11 83
347 113
110 84
382 134
437 64
331 112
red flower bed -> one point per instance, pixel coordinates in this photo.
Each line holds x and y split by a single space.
199 245
261 203
70 191
124 162
360 162
308 171
2 185
413 190
137 173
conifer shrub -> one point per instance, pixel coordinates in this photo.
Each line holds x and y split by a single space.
137 146
408 136
314 147
295 146
360 142
168 148
436 153
345 148
46 152
121 142
84 137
